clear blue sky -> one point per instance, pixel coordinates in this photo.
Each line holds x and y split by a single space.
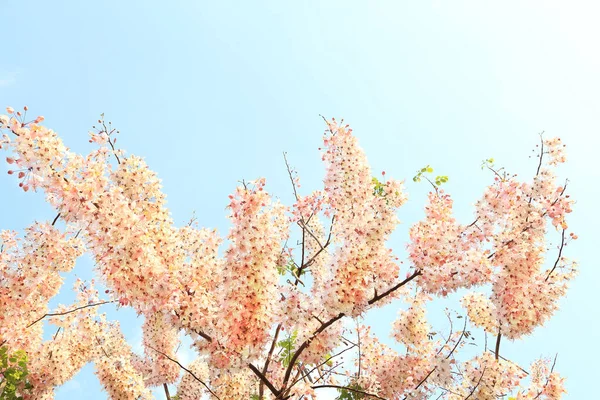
212 92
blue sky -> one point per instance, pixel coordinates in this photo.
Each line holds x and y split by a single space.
213 92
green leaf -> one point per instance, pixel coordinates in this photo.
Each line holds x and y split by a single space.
287 345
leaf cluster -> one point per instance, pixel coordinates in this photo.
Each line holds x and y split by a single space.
287 345
437 181
13 375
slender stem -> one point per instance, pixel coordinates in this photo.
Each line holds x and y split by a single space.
375 299
55 219
68 312
562 245
541 154
265 380
167 391
478 382
261 386
327 324
185 369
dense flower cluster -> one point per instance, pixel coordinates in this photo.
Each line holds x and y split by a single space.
268 318
364 219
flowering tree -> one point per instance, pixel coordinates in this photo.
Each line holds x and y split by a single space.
269 320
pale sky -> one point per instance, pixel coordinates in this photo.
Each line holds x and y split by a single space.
213 92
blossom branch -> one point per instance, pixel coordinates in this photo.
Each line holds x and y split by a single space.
327 324
264 380
560 250
69 312
261 386
185 369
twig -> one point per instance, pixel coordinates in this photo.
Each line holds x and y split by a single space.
264 380
70 311
55 219
547 379
327 324
185 369
261 387
394 288
562 245
478 382
541 154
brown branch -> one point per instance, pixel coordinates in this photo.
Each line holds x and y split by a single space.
167 391
462 334
261 386
203 335
264 380
55 219
478 382
289 170
68 312
185 369
321 364
327 324
448 356
512 362
322 247
547 379
112 146
375 299
498 344
541 154
562 245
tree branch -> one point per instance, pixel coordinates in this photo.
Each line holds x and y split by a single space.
185 369
562 245
327 324
261 387
68 312
264 380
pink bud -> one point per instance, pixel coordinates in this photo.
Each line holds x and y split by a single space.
39 119
21 174
10 160
10 110
10 172
19 113
25 108
383 173
26 187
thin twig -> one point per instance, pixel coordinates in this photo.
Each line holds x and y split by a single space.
548 378
185 369
331 321
55 219
562 245
70 311
263 379
261 387
478 382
